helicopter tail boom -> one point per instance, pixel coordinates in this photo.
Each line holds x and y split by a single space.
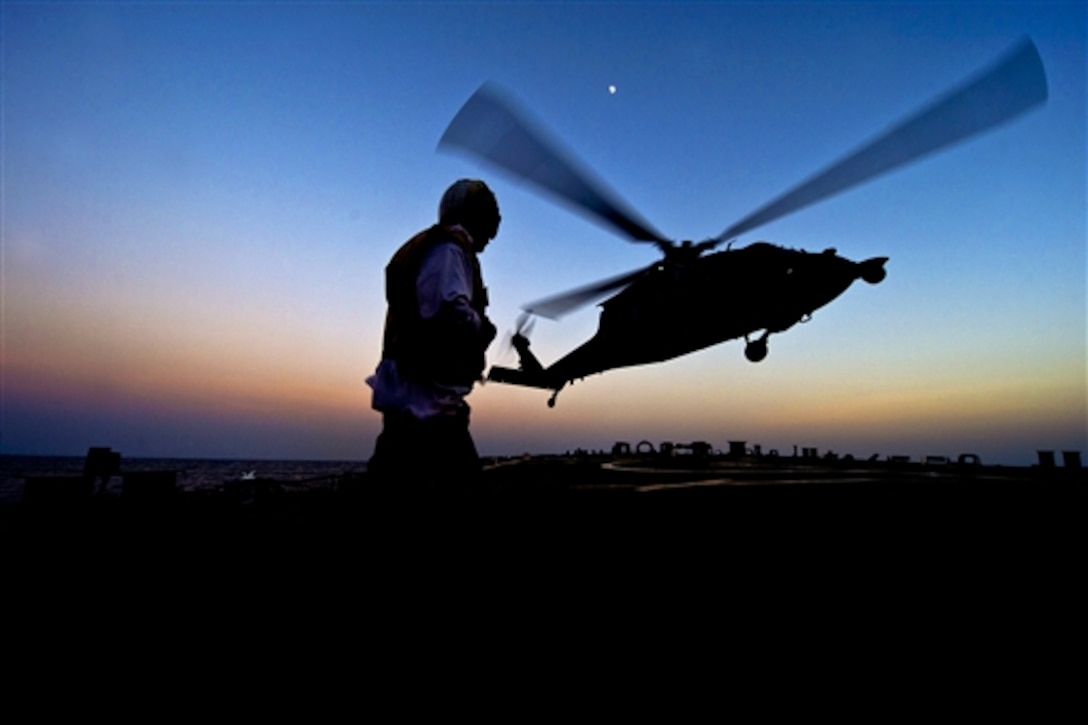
525 378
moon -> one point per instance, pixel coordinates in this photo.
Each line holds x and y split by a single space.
612 90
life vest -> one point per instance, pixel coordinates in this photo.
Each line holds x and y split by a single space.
439 349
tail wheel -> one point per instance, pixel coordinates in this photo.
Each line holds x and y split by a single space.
756 350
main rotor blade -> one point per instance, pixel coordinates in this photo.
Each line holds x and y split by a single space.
555 307
489 127
1012 86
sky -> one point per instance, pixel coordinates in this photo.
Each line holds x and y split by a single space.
199 200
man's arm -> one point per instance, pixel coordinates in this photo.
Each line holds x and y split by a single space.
445 286
460 334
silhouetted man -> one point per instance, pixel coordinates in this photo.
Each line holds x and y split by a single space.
436 334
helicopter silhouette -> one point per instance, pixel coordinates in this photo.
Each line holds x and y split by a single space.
690 300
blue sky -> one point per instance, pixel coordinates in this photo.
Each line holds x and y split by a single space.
199 199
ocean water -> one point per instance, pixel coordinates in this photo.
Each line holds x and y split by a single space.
192 474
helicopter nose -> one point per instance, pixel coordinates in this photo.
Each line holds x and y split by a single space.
872 270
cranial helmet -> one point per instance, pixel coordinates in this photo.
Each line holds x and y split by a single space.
469 202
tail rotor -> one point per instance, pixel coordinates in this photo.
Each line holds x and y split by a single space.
518 340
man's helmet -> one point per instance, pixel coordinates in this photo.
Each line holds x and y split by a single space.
470 203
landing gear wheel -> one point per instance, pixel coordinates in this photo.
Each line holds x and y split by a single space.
756 350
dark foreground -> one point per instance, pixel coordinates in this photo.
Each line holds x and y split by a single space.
557 503
567 557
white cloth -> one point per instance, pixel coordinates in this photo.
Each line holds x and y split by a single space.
445 278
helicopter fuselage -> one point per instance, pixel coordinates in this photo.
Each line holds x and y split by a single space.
681 306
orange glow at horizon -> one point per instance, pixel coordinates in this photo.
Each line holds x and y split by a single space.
72 351
795 411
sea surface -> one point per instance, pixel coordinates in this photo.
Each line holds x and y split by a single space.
192 474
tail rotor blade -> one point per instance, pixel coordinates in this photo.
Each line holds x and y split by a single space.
490 127
1015 84
523 327
525 323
